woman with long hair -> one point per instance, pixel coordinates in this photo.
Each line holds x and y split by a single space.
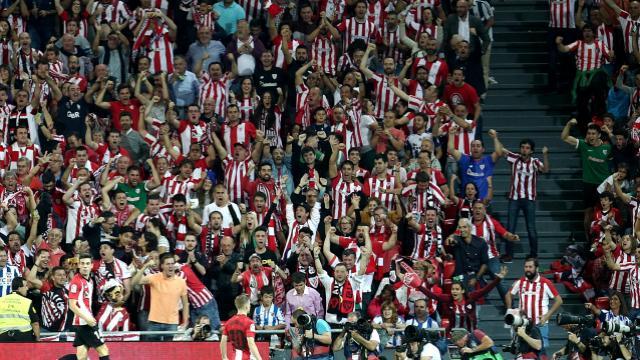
617 312
268 118
389 326
75 13
246 99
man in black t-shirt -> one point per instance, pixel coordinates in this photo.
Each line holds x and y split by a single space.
267 76
268 257
529 342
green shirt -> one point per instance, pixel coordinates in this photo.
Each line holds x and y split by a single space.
135 196
595 162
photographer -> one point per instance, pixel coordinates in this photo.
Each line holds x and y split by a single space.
418 344
474 345
577 342
609 345
310 337
357 338
527 342
201 331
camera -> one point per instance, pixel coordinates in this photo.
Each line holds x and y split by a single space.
415 334
568 319
516 320
611 327
361 326
306 321
511 348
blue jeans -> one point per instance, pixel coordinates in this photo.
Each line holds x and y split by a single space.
528 208
544 332
209 309
154 326
143 319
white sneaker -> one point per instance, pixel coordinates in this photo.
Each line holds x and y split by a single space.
492 81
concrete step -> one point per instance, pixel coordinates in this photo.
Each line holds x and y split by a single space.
521 45
510 57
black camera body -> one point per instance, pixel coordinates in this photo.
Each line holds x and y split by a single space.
361 326
569 319
306 321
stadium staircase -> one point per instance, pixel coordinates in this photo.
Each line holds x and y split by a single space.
518 108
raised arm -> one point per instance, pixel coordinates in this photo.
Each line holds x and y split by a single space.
222 152
100 98
546 165
613 6
403 95
363 62
561 47
619 193
497 145
88 135
565 133
298 80
451 146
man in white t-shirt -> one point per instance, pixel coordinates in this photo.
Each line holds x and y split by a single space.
222 204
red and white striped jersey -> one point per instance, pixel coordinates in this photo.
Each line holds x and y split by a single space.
377 11
252 8
426 242
534 296
17 199
438 70
562 14
246 105
117 12
142 219
421 200
429 108
634 286
324 52
31 152
374 185
26 62
160 50
17 23
252 283
204 20
627 24
605 35
589 56
279 60
6 51
24 117
82 20
156 148
117 269
198 294
340 190
111 318
303 110
415 14
620 278
487 230
234 173
524 176
56 71
353 29
273 225
392 39
334 9
177 229
81 289
192 134
176 185
463 138
216 90
385 97
243 133
45 91
360 124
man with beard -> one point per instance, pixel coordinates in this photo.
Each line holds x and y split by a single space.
460 92
76 77
522 196
264 183
535 293
80 207
435 69
385 97
212 234
43 87
594 155
428 235
72 111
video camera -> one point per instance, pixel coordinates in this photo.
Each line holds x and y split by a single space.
306 321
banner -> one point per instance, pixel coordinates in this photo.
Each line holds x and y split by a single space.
170 350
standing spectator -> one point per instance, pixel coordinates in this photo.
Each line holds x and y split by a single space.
185 86
385 97
484 11
460 92
523 192
561 23
167 290
302 296
594 154
229 13
477 168
470 252
223 268
205 50
535 292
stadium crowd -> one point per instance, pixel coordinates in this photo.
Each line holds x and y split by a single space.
322 157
